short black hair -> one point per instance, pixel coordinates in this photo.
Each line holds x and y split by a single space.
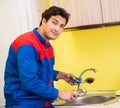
53 11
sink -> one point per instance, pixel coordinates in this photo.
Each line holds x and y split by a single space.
92 97
85 100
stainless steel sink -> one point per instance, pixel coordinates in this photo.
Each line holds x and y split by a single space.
86 100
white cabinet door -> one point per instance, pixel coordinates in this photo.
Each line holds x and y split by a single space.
83 12
110 10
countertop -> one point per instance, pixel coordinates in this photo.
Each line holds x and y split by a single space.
113 104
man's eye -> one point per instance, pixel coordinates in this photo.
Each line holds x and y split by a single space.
55 23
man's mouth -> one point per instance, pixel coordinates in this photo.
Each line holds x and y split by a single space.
55 33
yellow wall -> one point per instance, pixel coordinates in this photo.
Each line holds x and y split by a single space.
97 48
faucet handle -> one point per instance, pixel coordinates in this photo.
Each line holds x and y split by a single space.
80 92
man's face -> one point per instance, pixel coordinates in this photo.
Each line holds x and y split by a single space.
53 27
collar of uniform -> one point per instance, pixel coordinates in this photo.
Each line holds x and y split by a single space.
40 37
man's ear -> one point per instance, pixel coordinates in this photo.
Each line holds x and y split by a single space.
44 21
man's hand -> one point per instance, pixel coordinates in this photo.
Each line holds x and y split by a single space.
67 77
67 95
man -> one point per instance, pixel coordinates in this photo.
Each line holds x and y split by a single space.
29 71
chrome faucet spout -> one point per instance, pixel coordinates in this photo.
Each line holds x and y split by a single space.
88 80
90 69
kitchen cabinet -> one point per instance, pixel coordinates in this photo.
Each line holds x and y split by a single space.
110 10
83 12
90 12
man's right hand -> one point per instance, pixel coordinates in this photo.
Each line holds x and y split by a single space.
67 95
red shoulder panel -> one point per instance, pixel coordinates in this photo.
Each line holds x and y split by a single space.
31 39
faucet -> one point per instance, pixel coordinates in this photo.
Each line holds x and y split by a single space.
88 80
92 69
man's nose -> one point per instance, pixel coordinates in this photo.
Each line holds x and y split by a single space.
57 28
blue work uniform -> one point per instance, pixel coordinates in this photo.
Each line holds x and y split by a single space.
29 73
